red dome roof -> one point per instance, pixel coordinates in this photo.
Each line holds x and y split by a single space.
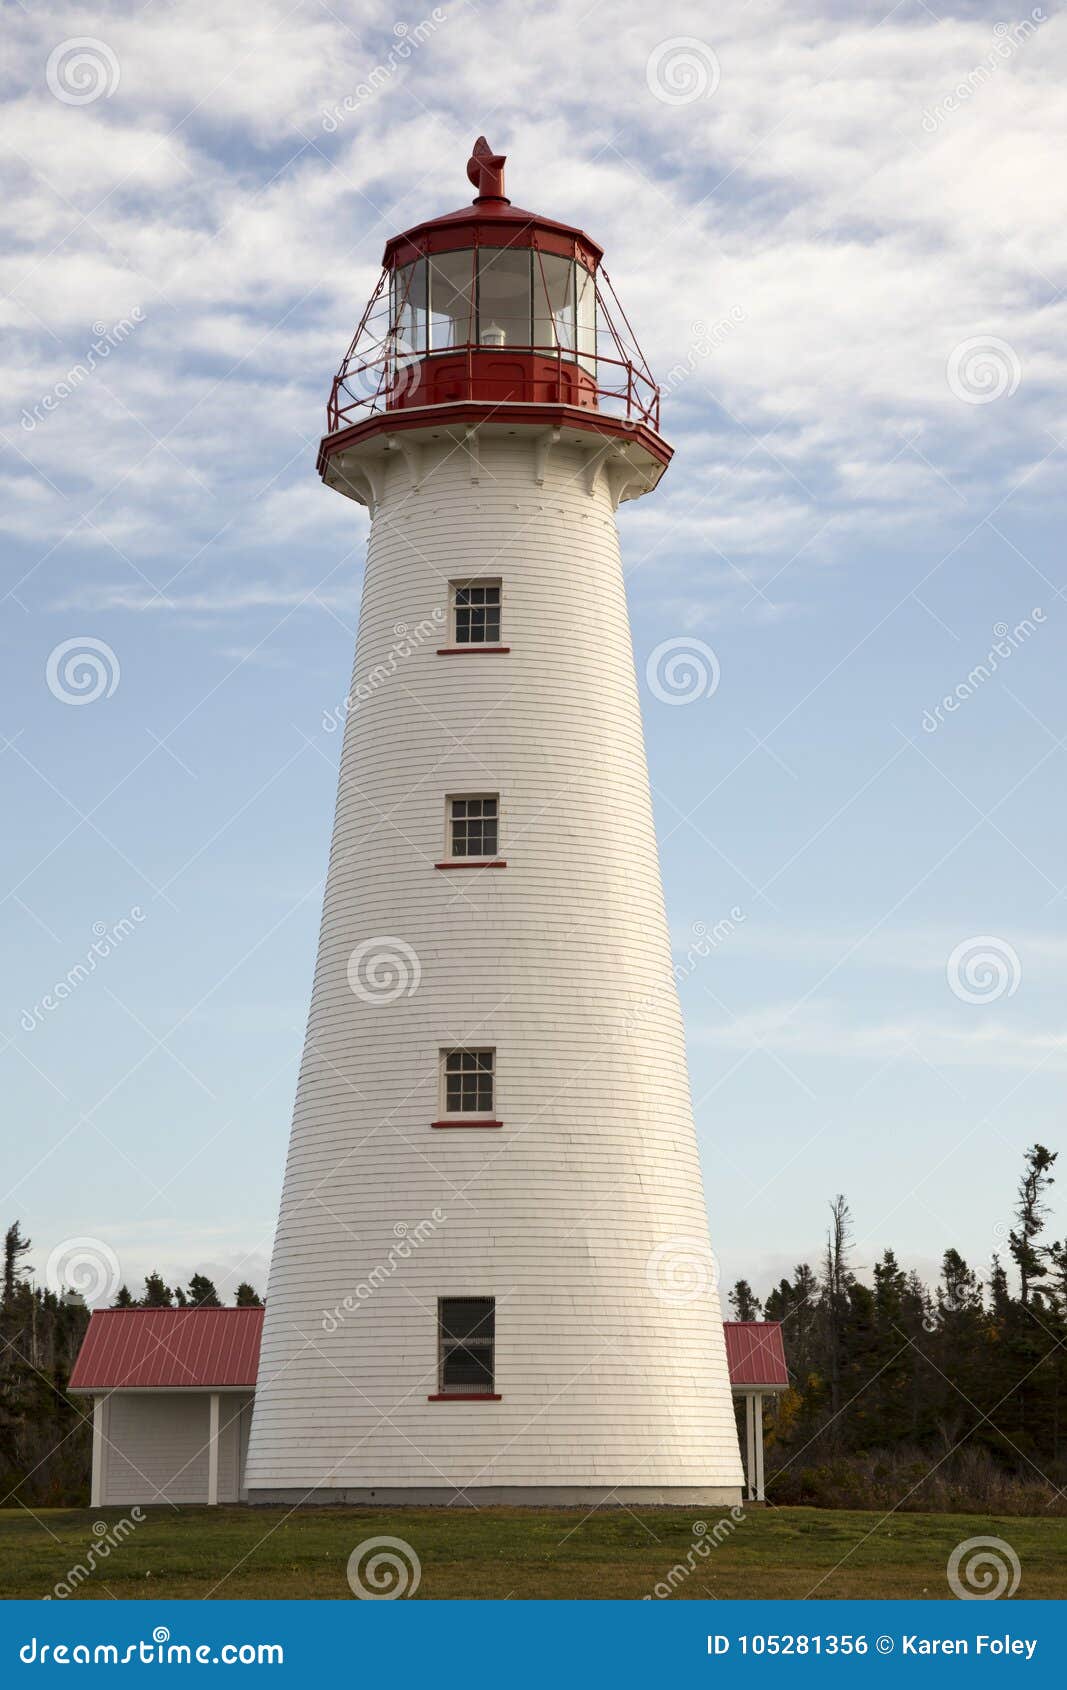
490 220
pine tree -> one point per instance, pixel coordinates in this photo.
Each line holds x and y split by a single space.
202 1293
15 1247
247 1297
837 1280
1031 1212
157 1294
744 1302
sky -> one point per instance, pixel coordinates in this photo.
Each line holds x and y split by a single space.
839 234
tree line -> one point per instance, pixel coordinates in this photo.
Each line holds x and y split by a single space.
201 1294
901 1394
951 1396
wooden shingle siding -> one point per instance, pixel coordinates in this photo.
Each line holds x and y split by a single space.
562 964
156 1446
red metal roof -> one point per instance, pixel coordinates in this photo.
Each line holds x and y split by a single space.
168 1348
755 1353
491 220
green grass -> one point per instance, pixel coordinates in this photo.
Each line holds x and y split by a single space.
519 1553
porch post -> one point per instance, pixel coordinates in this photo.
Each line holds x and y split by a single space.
213 1451
97 1497
750 1443
759 1494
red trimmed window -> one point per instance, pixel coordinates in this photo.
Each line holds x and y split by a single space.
468 1084
466 1344
475 613
468 1089
473 827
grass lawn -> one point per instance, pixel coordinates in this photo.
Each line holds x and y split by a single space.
520 1553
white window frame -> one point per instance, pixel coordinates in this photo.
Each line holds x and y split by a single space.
447 1114
466 798
455 587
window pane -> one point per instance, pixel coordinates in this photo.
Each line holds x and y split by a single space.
503 297
477 614
473 827
466 1327
553 293
467 1317
451 299
469 1082
408 308
465 1368
586 320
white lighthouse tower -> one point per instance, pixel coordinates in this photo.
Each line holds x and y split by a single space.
492 1279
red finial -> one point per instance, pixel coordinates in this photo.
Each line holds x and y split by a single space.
485 169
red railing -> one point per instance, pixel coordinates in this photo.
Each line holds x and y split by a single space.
380 373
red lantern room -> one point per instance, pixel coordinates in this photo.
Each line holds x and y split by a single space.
490 307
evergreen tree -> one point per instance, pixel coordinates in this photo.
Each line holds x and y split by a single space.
246 1297
837 1282
202 1293
744 1302
157 1294
15 1247
1031 1212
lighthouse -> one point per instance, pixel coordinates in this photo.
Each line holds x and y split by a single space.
492 1279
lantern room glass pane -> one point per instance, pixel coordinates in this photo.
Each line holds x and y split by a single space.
586 320
451 300
553 295
408 307
504 296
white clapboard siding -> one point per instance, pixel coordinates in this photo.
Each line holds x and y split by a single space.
156 1446
562 963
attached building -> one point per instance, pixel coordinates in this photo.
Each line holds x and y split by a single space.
755 1355
172 1394
172 1402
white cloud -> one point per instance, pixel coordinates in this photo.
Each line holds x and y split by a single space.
804 193
825 1029
215 600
